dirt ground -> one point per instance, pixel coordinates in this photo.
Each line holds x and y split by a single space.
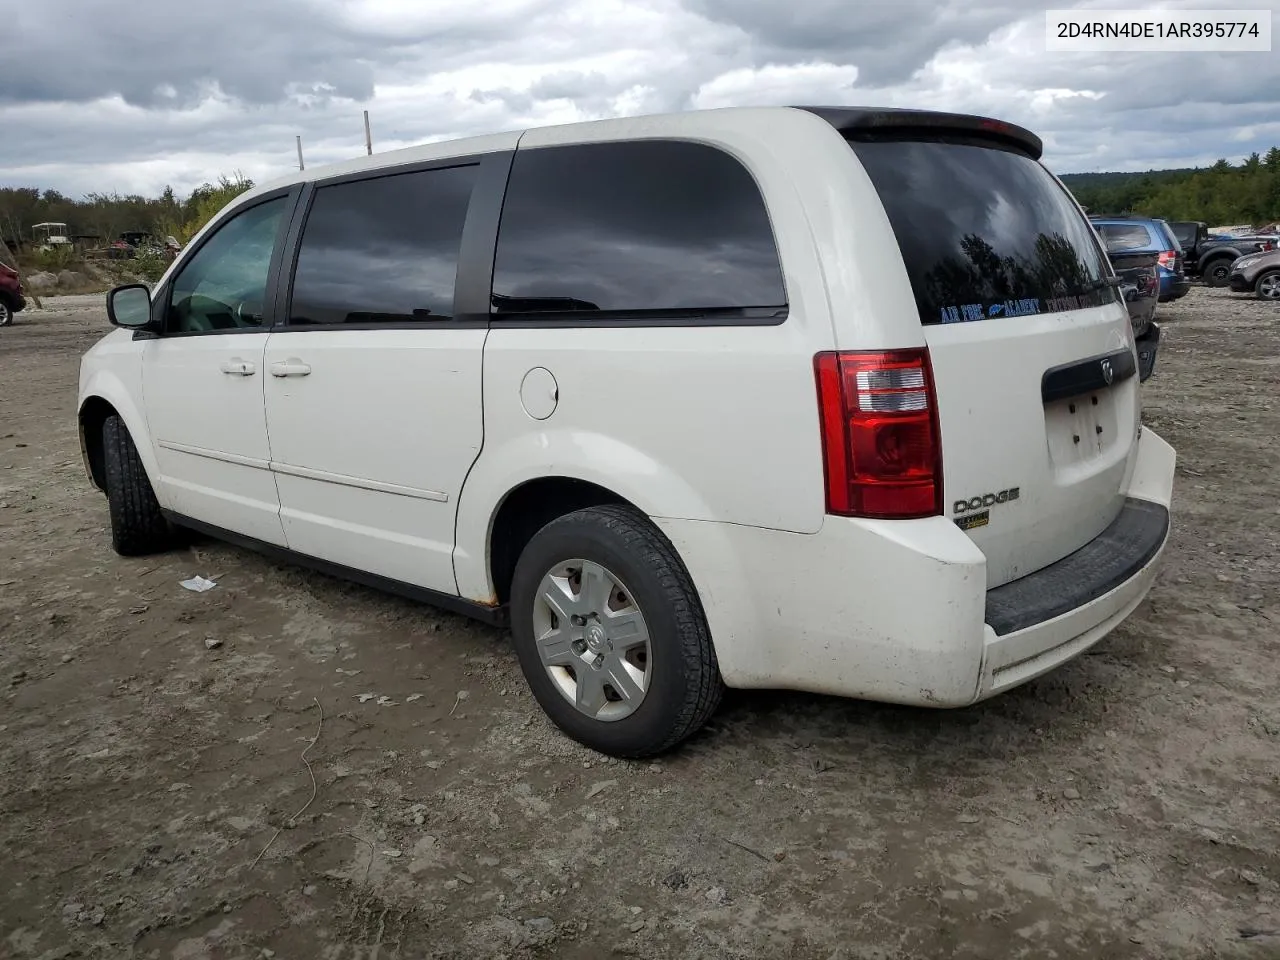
1127 805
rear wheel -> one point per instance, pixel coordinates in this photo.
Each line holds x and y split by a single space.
1268 286
1217 272
611 634
6 313
137 525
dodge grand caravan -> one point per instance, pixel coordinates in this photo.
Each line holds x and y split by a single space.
830 399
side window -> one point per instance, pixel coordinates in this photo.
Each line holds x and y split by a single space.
224 285
642 227
383 250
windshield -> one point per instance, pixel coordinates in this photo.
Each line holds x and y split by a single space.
984 232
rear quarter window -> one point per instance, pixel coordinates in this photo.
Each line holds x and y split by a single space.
635 230
984 232
1167 233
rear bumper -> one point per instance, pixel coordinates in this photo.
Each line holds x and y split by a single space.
899 611
1173 287
1044 619
17 302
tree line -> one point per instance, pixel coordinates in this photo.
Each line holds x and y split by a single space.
105 216
1225 193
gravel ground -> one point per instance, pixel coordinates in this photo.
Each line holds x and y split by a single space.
158 748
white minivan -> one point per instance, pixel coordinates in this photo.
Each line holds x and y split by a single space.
829 399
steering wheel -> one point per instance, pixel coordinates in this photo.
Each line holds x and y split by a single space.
248 314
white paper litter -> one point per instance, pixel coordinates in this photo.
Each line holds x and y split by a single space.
198 584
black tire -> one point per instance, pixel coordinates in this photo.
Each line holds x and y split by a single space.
684 685
137 525
6 313
1267 286
1217 273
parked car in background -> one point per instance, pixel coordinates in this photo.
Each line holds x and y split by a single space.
1212 259
12 300
1139 278
1190 234
1152 236
944 487
1257 273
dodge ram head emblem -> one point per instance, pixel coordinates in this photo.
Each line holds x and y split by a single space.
1108 374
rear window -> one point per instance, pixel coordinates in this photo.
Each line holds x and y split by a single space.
984 232
1125 236
1185 232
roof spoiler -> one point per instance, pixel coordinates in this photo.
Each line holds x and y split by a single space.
893 122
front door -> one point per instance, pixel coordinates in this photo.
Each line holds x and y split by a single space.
203 378
372 388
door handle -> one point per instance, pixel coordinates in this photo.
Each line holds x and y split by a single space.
237 367
293 367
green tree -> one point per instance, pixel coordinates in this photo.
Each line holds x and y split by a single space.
1221 193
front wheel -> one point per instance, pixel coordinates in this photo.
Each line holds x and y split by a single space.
6 313
137 525
1217 272
611 634
1268 286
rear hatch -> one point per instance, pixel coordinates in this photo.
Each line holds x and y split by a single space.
1028 336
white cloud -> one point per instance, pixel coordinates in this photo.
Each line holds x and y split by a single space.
182 94
779 84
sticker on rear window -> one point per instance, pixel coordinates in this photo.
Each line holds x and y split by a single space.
968 312
1024 307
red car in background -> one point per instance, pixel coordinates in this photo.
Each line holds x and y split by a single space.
11 298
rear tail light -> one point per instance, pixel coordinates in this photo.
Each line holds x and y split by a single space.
1168 259
1267 246
881 445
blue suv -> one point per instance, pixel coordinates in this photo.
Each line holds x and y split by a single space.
1147 235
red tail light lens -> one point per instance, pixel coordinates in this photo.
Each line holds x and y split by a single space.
1267 246
880 439
1168 258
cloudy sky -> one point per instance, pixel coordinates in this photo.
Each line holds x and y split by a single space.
104 95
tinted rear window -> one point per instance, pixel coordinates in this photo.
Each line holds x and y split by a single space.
1125 236
984 232
635 228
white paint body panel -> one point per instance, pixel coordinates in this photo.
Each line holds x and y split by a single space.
370 449
394 455
997 433
209 433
